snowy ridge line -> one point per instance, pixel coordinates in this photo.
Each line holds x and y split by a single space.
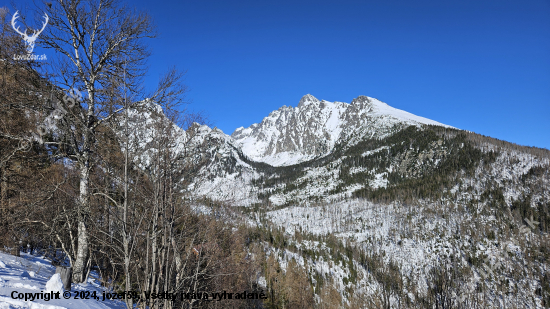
291 135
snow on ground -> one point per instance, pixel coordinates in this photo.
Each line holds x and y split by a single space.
377 225
29 274
417 238
371 152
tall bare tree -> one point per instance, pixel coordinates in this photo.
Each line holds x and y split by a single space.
99 46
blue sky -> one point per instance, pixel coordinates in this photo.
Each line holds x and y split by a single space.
477 65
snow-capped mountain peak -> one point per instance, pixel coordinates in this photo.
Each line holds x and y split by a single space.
307 99
291 135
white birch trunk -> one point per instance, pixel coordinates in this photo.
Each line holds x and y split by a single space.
79 267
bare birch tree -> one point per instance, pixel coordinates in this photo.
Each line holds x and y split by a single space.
99 46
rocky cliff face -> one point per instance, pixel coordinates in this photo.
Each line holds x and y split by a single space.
293 135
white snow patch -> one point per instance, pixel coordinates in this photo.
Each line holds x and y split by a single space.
54 284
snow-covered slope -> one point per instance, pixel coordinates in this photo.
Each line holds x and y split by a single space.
30 274
206 160
222 174
293 135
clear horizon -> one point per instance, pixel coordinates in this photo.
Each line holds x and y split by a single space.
481 66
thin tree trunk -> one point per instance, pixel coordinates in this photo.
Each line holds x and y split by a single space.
126 240
82 253
83 237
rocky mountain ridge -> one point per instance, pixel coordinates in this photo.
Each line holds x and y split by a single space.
293 135
326 151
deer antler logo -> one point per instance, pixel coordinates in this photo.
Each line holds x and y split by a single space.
29 40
